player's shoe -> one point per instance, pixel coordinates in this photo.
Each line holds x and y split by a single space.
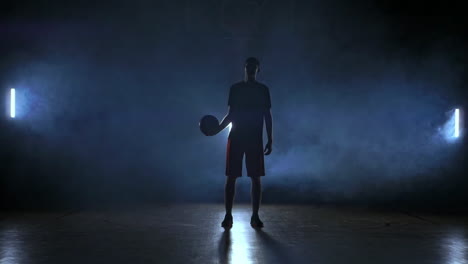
255 222
227 222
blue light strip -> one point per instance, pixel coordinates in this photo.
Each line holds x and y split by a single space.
457 123
12 103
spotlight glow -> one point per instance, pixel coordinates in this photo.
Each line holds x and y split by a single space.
456 132
12 103
452 130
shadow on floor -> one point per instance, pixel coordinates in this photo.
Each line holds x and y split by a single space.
271 250
224 247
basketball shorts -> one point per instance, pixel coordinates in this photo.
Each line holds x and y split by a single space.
254 160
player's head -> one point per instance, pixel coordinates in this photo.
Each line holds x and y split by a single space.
252 66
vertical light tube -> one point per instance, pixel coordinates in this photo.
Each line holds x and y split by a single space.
457 123
12 103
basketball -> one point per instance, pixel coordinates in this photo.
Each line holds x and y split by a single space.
209 125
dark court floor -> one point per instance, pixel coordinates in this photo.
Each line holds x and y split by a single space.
191 233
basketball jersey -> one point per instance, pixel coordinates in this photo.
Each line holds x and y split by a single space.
248 102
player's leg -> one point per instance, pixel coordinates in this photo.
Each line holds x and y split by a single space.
255 169
229 193
234 156
256 194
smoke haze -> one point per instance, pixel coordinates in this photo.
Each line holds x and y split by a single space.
109 100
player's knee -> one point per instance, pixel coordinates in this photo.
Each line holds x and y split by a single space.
231 179
255 180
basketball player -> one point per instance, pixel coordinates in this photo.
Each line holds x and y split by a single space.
249 104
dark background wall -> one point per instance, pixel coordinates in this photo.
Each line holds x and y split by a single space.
109 97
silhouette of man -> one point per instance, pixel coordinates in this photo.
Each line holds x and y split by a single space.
249 104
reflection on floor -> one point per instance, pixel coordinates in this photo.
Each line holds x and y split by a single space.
191 233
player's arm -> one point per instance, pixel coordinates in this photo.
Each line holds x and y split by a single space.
268 122
269 128
226 120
